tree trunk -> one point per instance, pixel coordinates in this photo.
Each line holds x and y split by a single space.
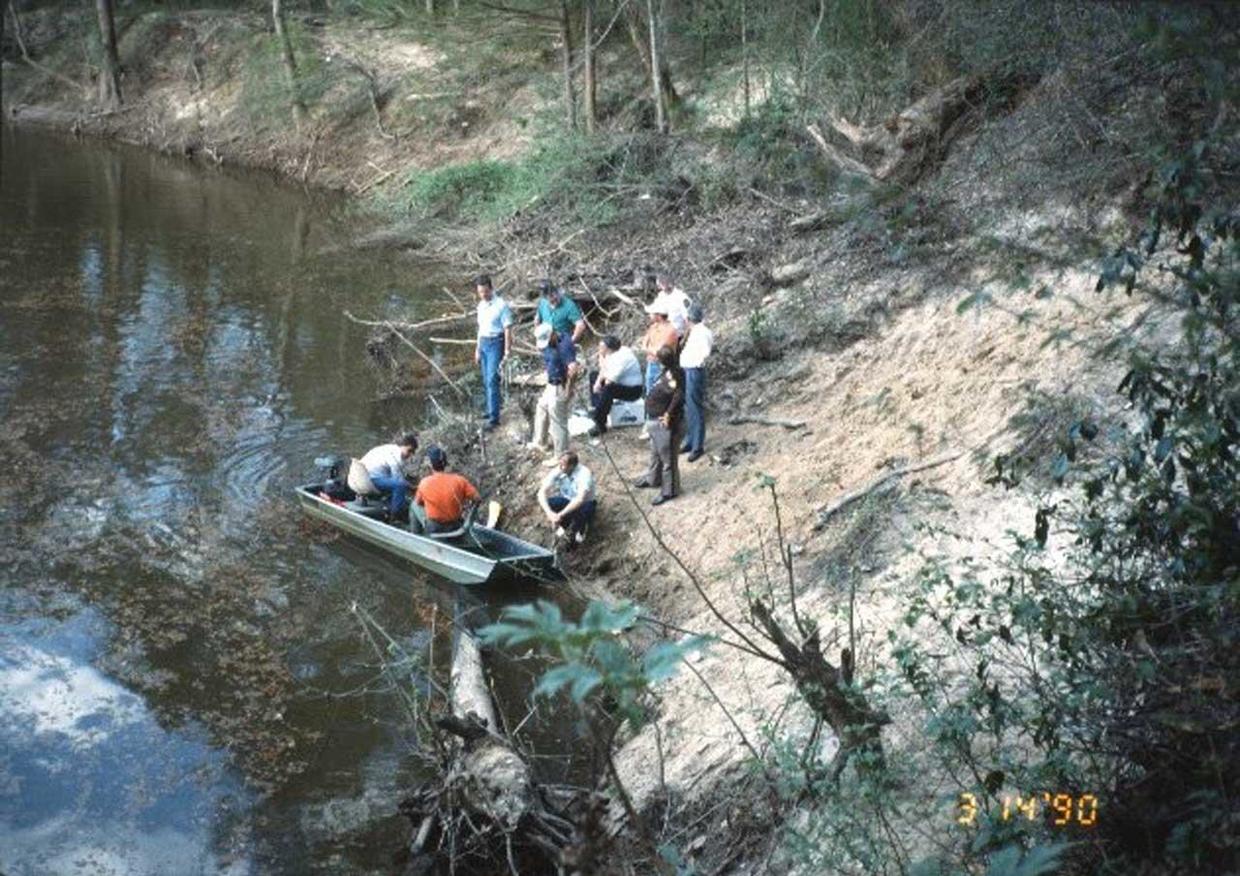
904 146
829 692
591 85
290 62
110 81
745 53
496 780
635 22
656 70
566 56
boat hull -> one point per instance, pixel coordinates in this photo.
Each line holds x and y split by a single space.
493 555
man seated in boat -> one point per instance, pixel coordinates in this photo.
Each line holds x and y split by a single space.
567 498
386 466
442 497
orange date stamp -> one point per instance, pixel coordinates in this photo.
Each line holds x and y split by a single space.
1057 810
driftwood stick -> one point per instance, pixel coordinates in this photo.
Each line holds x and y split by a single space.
424 832
607 314
460 342
826 511
740 419
408 326
456 299
384 175
836 157
630 301
429 361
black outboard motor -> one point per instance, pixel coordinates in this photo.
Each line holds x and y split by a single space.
335 473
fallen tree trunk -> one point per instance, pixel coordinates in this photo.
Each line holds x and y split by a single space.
495 780
902 147
485 803
740 419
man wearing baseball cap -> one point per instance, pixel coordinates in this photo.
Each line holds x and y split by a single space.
442 496
551 412
560 311
660 333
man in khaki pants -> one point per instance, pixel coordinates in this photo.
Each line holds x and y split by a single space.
551 413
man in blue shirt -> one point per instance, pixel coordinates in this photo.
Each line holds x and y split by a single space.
494 342
561 312
551 412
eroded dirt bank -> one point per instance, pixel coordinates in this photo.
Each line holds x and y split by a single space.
878 345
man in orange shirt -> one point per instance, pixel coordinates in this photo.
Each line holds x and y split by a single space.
442 496
661 333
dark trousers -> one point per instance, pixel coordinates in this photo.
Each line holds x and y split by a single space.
602 401
422 525
695 409
664 470
579 519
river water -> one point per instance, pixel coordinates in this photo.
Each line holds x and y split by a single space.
184 687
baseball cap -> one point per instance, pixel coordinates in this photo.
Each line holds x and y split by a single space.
435 455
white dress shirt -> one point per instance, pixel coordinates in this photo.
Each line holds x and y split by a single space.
384 461
698 346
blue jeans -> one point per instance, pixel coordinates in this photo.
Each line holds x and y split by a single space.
695 409
398 493
653 370
579 519
491 354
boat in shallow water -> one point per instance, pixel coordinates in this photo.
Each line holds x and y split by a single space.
473 555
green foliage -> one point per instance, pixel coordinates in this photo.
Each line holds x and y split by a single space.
554 173
1097 657
573 179
763 335
591 655
1038 861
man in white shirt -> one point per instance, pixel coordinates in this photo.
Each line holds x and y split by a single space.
386 466
619 376
567 498
494 342
693 354
676 301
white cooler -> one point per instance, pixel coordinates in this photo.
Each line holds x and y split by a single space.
627 413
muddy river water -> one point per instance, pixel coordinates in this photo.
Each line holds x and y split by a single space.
183 685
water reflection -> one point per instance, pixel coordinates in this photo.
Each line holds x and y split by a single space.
182 686
91 782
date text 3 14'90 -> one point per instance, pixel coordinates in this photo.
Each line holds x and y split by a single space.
1059 810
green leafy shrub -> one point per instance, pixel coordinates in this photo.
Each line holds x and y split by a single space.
1096 661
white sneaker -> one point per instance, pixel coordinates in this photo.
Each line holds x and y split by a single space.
579 537
534 445
559 532
644 434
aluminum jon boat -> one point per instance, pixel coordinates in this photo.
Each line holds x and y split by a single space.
476 555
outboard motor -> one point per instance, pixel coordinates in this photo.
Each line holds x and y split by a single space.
335 472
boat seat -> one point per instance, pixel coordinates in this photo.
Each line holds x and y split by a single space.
369 501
